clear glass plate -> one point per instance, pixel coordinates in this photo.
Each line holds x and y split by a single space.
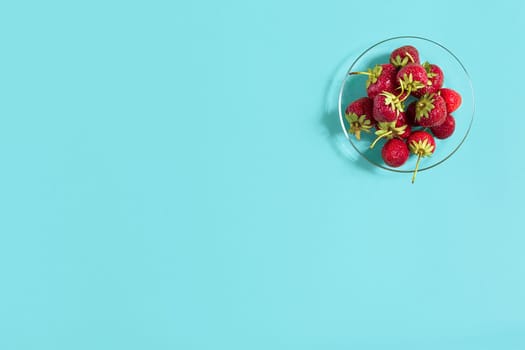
456 77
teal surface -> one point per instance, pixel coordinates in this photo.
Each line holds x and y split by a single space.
172 176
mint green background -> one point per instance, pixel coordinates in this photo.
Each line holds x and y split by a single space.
172 177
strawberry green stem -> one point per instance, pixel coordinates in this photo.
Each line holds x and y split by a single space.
402 92
358 134
379 138
409 91
363 73
417 167
410 56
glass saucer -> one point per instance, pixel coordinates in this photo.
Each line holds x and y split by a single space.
456 78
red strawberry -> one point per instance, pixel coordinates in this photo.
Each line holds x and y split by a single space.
411 114
412 77
435 80
387 107
397 128
445 129
452 99
430 110
380 78
395 153
359 116
404 55
422 144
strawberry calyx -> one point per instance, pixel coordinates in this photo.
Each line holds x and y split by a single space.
422 148
393 101
430 74
401 62
424 106
373 74
358 124
428 68
388 130
409 84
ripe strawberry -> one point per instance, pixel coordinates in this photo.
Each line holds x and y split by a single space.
404 55
395 152
359 116
397 128
411 114
380 78
387 107
452 99
430 110
445 129
412 77
435 80
422 144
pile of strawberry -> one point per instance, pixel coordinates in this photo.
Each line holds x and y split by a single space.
409 130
